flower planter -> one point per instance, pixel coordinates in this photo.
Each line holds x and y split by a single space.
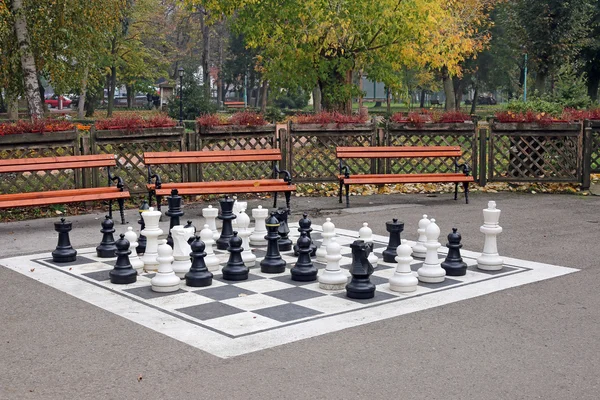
235 129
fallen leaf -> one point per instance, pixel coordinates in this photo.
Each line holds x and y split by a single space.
139 378
32 269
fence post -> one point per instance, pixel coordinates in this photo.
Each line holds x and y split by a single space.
482 174
85 149
189 140
281 143
587 156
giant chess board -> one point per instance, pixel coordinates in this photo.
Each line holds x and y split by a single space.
228 318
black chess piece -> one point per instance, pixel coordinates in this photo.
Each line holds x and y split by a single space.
304 226
453 264
235 270
64 251
273 263
174 212
198 275
394 228
304 270
123 273
107 247
285 243
360 286
141 248
193 237
226 216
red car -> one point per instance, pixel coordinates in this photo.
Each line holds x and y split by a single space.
53 101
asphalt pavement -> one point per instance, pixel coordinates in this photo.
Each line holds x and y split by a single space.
537 341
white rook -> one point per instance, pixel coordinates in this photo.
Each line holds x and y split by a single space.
257 238
489 259
210 214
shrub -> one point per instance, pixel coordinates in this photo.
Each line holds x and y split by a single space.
134 122
37 126
244 118
324 118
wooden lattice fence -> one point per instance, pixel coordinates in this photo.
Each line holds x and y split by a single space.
311 149
35 145
432 134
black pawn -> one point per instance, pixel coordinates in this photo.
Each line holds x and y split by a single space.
272 263
64 251
235 270
226 216
394 228
107 247
141 249
285 243
304 270
453 264
198 275
304 226
174 211
190 225
123 273
360 286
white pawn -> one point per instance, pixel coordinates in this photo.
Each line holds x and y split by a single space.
238 206
403 279
419 250
165 279
366 234
181 250
134 260
257 238
328 233
243 221
210 214
211 260
431 271
152 232
333 277
490 260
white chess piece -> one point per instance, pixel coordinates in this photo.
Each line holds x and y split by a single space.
328 233
210 214
211 260
152 232
181 250
366 234
431 271
243 232
403 279
134 260
419 250
257 238
237 207
165 279
490 260
333 277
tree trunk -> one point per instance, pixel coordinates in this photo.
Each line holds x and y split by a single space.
540 81
348 102
448 90
30 80
12 106
220 67
263 96
458 84
317 99
130 96
205 61
81 104
592 86
474 103
422 102
360 87
111 90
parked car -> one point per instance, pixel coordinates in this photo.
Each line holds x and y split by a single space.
53 101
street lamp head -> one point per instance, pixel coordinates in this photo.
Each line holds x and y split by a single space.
180 70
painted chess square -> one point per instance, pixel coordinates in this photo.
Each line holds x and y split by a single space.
230 318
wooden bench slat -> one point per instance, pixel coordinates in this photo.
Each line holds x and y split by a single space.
396 148
50 194
228 190
63 199
411 178
56 166
404 154
58 159
162 154
340 176
215 159
254 182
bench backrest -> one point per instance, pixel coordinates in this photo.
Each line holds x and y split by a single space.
398 151
57 163
211 156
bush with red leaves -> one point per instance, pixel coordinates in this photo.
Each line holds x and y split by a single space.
37 126
324 118
134 122
243 118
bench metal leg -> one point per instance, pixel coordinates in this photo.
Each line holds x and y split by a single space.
110 202
288 196
150 195
466 187
122 210
347 195
158 202
456 191
340 193
275 200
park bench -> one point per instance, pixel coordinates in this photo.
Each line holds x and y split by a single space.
64 163
346 178
234 104
273 185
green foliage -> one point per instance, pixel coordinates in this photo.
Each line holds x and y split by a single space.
195 101
571 89
273 115
537 105
292 99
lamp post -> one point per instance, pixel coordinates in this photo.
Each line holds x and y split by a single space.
180 70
